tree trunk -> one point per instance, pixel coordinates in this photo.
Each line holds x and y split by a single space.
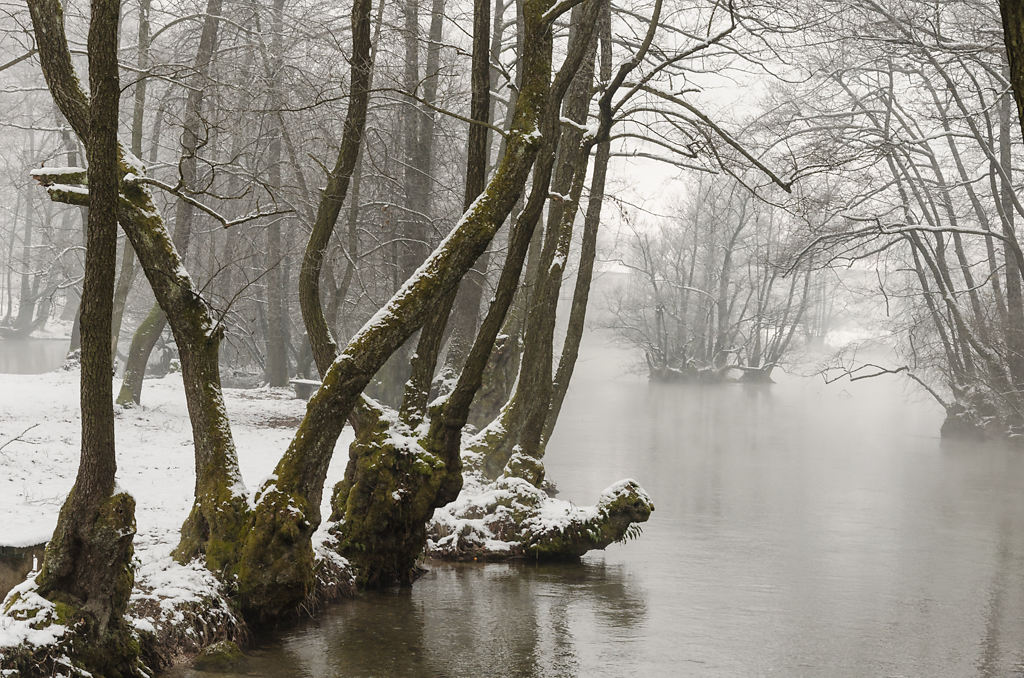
325 350
217 517
26 290
276 368
126 276
88 562
588 254
275 573
142 346
467 302
1012 12
428 346
523 417
1012 269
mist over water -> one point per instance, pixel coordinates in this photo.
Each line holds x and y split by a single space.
801 529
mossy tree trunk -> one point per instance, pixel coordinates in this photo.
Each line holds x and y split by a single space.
275 572
521 419
220 507
192 134
88 562
428 347
143 341
588 253
394 481
323 345
514 441
466 305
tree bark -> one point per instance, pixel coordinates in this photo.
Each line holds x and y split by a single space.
276 368
128 269
88 562
1012 12
588 254
523 417
428 347
325 350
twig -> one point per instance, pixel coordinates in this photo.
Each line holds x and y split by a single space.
18 437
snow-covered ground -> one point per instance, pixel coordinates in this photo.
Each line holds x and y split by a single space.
154 451
39 451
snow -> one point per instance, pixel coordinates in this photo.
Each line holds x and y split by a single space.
132 162
56 171
572 123
155 465
68 188
55 328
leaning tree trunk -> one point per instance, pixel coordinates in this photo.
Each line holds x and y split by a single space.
399 473
88 562
391 488
428 346
275 572
521 422
325 349
128 260
466 307
588 254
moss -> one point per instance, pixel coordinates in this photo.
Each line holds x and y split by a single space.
221 656
392 486
492 447
87 574
617 519
274 573
215 528
519 515
526 467
109 651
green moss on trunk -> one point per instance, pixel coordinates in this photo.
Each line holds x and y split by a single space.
87 573
274 573
380 510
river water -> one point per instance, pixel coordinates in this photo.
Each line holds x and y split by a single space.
801 530
31 356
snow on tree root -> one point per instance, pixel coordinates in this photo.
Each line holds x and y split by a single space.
510 518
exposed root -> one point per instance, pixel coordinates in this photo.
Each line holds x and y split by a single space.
511 518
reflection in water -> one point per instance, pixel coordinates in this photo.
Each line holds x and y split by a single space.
31 356
522 621
800 530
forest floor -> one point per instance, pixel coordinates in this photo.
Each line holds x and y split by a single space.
40 437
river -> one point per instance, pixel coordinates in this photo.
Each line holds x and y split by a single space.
801 530
31 356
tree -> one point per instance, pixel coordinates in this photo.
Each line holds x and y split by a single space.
88 562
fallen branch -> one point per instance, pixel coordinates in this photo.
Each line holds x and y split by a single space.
17 437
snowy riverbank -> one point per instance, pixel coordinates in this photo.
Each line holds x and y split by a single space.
39 432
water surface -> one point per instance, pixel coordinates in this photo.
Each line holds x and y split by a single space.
800 530
31 356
